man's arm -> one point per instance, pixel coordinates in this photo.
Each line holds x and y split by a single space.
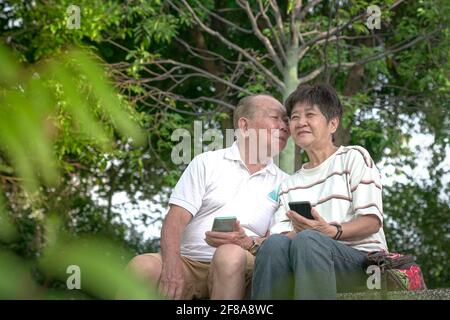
172 274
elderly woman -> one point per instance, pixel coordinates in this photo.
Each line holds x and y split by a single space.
314 258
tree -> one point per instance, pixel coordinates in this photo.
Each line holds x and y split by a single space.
244 47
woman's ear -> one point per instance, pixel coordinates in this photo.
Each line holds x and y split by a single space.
334 124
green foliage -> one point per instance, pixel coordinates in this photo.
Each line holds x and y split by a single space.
13 271
45 23
417 223
8 232
39 111
99 261
162 30
26 126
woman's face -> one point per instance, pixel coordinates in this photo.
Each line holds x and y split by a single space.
309 127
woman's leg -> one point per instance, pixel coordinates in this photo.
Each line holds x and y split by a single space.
322 265
272 274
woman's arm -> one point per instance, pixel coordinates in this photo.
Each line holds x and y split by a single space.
358 228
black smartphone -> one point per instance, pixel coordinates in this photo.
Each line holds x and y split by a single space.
302 207
224 224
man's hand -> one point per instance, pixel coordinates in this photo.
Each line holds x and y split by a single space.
171 283
301 223
238 237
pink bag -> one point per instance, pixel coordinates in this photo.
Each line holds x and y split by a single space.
398 271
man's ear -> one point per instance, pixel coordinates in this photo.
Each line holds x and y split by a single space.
243 125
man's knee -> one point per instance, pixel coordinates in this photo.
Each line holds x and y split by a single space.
229 259
145 266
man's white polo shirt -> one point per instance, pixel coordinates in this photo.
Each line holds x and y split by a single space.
217 184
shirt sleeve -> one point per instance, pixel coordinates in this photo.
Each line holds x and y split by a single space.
190 189
365 184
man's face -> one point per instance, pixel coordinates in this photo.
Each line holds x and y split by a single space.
269 124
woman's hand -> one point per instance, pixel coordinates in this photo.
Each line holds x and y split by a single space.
301 223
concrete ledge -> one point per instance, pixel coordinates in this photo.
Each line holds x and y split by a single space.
432 294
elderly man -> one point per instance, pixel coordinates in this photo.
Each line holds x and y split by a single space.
194 262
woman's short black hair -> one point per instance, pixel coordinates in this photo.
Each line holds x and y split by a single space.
322 95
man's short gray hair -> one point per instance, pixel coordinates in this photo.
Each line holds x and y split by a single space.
246 108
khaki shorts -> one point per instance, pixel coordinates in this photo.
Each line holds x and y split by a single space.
198 278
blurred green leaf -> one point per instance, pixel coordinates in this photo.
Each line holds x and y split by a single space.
15 278
8 232
100 262
9 68
108 100
27 127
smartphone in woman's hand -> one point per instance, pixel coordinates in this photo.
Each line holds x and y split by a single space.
302 207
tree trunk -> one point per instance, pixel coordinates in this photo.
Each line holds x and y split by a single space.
353 84
290 157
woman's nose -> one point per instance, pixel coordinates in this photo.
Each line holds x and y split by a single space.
302 121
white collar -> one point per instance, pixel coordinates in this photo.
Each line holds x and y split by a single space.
232 153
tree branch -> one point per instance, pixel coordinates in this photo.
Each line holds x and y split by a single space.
279 20
227 22
308 6
200 71
276 36
209 55
326 34
397 48
273 55
295 34
274 79
378 56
